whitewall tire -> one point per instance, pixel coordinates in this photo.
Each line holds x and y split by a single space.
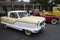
28 32
54 21
5 26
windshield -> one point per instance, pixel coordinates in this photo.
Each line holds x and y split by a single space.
58 9
23 14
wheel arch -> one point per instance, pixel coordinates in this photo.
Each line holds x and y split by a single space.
54 18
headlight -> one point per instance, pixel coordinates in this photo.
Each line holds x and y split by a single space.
42 23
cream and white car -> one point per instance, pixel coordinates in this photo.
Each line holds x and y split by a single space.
21 20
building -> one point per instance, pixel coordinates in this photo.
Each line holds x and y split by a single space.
7 5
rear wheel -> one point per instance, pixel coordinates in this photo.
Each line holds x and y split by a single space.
54 21
4 26
28 32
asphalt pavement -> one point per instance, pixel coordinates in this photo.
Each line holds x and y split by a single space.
52 32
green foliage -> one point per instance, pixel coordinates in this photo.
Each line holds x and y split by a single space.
43 1
12 0
58 1
39 1
32 1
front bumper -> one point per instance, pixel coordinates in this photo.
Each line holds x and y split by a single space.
38 29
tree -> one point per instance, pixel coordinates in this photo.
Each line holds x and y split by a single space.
43 1
39 1
32 1
12 0
57 1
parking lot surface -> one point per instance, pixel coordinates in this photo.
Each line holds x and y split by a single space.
52 32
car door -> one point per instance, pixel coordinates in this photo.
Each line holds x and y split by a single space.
12 18
56 11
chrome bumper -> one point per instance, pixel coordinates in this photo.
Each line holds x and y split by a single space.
38 29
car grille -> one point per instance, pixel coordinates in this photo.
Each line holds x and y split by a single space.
42 23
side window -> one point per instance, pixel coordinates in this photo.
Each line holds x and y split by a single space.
21 14
58 9
13 15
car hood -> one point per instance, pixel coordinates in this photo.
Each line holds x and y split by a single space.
31 19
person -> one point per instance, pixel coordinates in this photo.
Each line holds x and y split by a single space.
36 11
39 12
32 11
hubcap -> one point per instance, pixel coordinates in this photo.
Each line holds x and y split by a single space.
54 21
27 32
5 26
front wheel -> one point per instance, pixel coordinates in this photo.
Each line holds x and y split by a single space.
28 32
54 21
4 26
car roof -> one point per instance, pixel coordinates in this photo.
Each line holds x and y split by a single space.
18 11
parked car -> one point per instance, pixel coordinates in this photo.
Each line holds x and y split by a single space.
55 11
49 18
21 20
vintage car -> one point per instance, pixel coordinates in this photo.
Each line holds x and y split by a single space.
55 11
21 20
49 18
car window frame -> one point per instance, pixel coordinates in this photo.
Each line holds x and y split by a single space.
20 13
14 13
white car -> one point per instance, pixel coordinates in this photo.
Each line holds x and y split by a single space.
21 20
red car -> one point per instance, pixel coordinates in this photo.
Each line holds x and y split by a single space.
49 18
